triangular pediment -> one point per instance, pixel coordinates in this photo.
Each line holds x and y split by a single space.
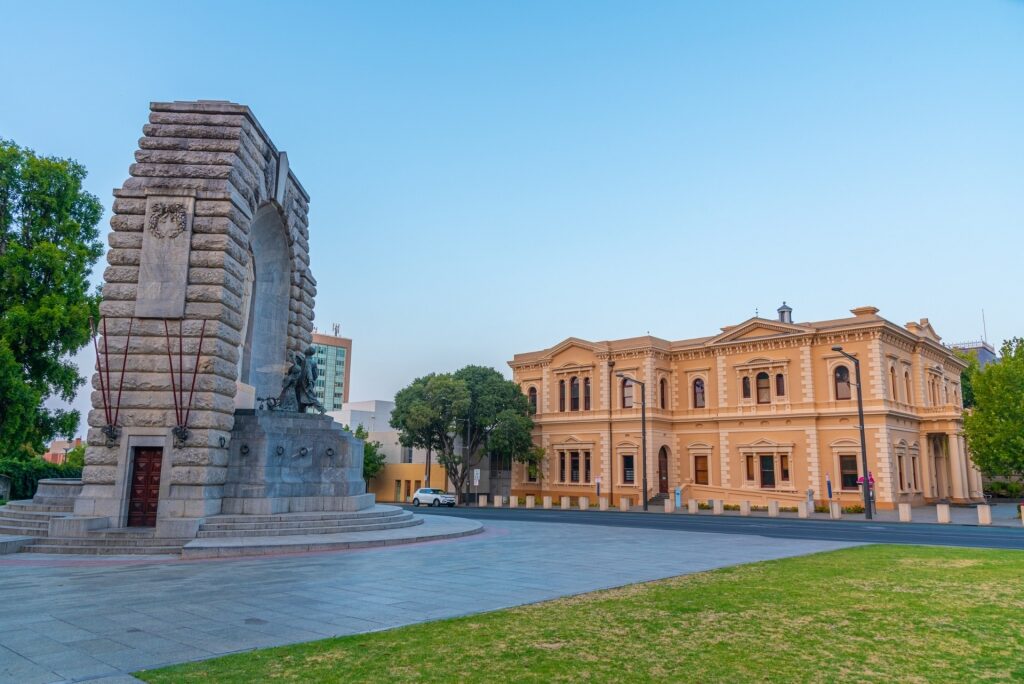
570 343
759 328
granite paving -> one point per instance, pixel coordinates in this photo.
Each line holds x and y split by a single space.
86 619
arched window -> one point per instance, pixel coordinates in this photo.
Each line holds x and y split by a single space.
764 389
842 379
892 382
532 398
663 393
910 393
561 395
574 394
746 387
627 394
780 385
586 394
698 393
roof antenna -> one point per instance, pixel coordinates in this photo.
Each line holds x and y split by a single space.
984 330
756 312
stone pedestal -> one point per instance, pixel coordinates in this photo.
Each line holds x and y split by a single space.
744 508
670 505
692 506
513 502
531 501
602 503
905 515
802 509
984 515
498 500
293 462
717 506
773 509
547 502
565 503
835 511
481 500
623 503
584 503
942 513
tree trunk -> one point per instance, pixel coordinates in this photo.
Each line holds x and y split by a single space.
426 475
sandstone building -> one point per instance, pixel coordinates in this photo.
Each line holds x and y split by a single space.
764 410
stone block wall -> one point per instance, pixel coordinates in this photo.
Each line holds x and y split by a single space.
182 220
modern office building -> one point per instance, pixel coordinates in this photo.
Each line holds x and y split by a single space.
334 359
764 410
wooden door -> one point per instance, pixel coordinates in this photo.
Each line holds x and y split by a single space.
145 490
663 471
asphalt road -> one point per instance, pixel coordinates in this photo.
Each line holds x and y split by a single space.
830 530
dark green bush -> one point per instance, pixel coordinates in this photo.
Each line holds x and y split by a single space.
25 474
855 508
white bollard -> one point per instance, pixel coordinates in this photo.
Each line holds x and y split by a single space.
584 503
547 502
717 506
513 502
835 511
531 501
498 500
623 503
565 503
942 513
670 505
984 514
905 514
602 503
481 501
1022 514
692 506
773 509
801 509
744 508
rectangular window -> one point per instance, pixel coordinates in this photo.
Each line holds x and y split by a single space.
561 466
586 466
628 474
784 467
903 474
848 472
767 471
750 468
914 473
574 470
700 469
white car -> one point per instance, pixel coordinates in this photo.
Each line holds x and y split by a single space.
433 497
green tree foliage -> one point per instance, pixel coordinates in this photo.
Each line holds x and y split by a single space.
25 474
76 456
995 426
464 416
373 457
48 245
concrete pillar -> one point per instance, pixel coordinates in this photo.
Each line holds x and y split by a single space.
1022 515
773 509
602 503
531 500
905 514
744 508
584 503
984 514
717 506
670 505
942 512
801 509
547 502
691 506
498 500
564 501
835 511
481 501
623 503
957 471
513 502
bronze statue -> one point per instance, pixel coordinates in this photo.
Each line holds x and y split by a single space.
298 389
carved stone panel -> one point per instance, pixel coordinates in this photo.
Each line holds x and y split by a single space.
163 267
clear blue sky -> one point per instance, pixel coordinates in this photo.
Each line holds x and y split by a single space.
489 178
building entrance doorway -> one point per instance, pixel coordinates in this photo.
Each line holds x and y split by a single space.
144 497
663 471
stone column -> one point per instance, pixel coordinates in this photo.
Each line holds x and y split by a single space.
957 467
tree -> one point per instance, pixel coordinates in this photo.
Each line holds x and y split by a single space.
995 426
48 245
420 418
373 458
464 416
76 456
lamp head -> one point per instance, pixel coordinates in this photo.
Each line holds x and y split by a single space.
837 348
620 374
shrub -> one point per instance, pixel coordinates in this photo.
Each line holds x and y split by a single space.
25 474
1014 489
855 508
731 507
787 509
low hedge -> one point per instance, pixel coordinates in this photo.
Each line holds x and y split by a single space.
25 474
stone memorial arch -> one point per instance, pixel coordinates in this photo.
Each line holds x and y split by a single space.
207 294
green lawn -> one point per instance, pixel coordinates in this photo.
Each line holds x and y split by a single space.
875 613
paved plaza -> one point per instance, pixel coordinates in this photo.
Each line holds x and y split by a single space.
86 619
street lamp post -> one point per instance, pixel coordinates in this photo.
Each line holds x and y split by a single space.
863 442
643 430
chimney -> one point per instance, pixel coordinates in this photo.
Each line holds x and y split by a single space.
785 314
